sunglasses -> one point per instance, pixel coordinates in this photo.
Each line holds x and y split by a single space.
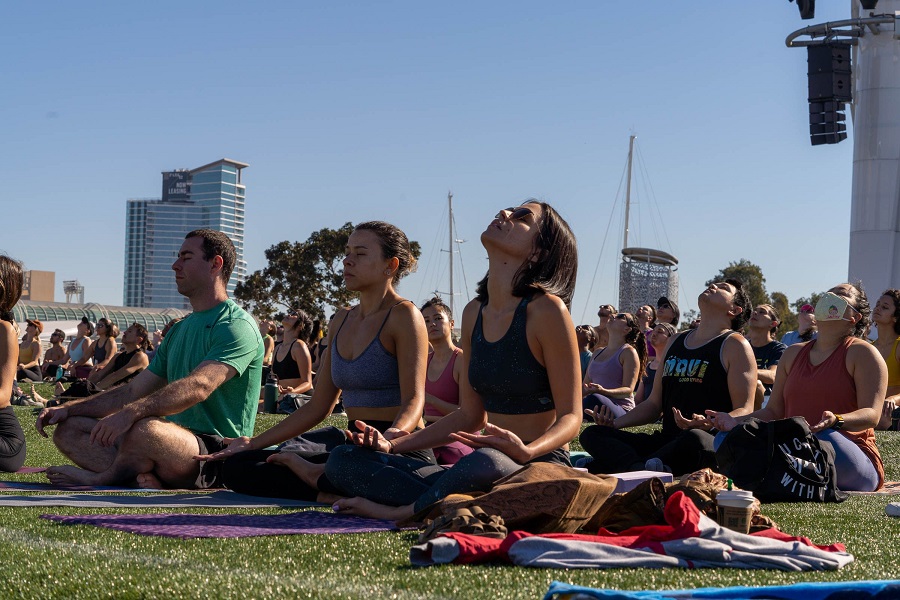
518 213
624 317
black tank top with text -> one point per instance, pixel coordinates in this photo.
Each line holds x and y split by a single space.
694 380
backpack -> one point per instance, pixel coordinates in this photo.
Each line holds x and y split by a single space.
780 461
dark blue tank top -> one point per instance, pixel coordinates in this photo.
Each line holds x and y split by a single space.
505 373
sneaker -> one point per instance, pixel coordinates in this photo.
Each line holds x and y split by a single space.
656 464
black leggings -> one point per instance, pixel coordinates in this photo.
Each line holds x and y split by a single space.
249 473
398 480
12 441
32 374
618 451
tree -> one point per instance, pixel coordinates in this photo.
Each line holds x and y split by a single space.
306 275
788 317
750 276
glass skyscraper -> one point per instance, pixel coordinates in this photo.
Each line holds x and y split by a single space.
211 197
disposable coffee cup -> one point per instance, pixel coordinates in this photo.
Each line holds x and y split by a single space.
734 509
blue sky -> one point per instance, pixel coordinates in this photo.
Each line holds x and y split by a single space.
351 111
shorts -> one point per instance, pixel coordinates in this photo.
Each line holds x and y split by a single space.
210 475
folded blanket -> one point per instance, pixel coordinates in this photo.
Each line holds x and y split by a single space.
689 540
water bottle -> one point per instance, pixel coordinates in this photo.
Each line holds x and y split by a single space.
270 394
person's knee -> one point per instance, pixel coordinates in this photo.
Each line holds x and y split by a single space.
342 459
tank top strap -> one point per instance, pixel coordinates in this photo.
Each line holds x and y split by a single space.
387 316
338 332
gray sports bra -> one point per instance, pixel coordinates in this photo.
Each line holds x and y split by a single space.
372 379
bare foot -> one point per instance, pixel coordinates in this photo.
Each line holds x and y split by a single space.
38 397
69 475
149 481
60 388
308 472
367 508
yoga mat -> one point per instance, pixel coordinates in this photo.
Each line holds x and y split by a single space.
32 470
229 526
31 486
797 591
891 488
221 498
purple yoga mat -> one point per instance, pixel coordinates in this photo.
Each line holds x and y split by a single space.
187 526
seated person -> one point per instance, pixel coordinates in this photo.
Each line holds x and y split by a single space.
104 347
29 367
12 438
54 357
605 313
886 318
78 354
377 353
646 319
667 312
586 340
837 383
806 327
201 388
616 370
291 362
127 363
710 367
767 350
659 339
442 376
518 381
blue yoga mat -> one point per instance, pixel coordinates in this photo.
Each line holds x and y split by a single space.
845 590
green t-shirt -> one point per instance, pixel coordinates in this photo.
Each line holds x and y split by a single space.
225 334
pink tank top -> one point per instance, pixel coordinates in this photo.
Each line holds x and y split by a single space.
445 388
811 389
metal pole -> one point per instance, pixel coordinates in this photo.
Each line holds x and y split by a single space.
450 247
628 188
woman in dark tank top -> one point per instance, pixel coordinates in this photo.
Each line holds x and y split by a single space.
519 382
376 357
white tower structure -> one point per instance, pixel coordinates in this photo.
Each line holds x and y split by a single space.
874 33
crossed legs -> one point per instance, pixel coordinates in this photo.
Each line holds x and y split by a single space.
152 453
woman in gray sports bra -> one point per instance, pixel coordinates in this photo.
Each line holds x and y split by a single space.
520 379
376 356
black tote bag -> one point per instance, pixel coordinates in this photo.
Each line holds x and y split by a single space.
780 461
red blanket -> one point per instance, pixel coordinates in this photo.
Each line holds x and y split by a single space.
689 539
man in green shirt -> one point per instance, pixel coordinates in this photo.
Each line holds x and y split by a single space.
202 386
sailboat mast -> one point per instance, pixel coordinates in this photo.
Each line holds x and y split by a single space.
450 247
628 188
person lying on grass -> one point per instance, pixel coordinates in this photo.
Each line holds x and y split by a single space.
202 386
520 371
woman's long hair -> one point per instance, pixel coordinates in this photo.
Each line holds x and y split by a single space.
12 280
556 266
637 340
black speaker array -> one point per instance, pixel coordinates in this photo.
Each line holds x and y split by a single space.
830 88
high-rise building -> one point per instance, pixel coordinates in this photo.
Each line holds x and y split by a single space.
211 197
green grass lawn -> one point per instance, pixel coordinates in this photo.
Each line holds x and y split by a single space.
45 559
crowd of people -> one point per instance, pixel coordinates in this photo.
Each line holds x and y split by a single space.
428 415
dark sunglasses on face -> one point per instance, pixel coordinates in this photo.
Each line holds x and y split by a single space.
625 318
519 213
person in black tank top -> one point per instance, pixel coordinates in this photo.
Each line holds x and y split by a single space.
708 368
519 382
